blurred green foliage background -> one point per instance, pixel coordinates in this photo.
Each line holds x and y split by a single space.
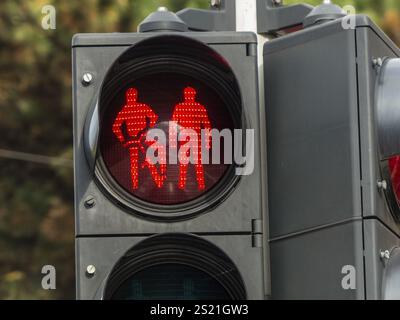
36 200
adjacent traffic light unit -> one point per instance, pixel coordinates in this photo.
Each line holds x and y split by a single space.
333 124
167 229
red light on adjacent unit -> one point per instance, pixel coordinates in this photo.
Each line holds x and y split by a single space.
394 169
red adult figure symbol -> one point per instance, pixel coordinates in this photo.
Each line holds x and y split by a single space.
135 115
192 115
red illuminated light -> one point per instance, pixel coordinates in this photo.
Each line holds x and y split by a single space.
187 115
152 103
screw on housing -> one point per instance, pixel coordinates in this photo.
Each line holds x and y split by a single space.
87 79
385 254
90 270
382 184
90 202
377 63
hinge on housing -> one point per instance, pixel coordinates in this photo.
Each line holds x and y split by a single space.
256 233
251 50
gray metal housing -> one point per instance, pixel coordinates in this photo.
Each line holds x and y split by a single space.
326 211
106 231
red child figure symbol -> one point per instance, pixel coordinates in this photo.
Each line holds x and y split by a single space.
192 115
135 115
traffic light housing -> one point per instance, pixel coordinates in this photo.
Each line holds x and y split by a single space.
332 126
178 231
140 226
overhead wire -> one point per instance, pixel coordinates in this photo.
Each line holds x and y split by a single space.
35 158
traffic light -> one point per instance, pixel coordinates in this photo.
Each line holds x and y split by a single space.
333 121
167 229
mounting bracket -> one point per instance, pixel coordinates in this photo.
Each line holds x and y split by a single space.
273 16
220 18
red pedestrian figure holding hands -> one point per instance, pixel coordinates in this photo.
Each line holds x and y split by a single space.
136 115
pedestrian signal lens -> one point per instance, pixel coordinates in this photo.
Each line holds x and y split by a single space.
156 137
171 282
